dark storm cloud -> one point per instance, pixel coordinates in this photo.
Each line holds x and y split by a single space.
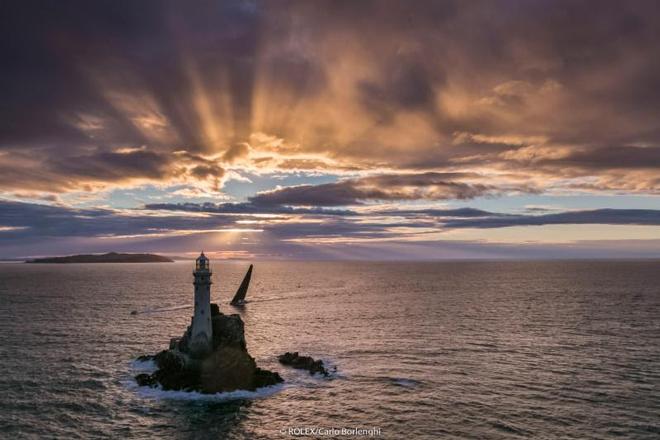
458 212
598 216
612 158
329 194
42 44
386 84
64 172
431 186
584 79
34 229
406 84
53 53
32 223
25 221
112 166
35 220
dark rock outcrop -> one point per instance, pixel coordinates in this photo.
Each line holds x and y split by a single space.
146 380
228 331
303 363
264 378
228 367
215 310
170 360
240 371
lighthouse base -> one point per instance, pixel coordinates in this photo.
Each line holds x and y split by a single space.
227 367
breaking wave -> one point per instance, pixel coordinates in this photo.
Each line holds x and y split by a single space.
158 393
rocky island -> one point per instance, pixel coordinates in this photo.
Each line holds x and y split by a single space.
303 363
112 257
211 356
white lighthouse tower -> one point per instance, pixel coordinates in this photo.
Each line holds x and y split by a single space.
201 328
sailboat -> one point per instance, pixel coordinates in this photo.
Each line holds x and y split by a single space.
239 298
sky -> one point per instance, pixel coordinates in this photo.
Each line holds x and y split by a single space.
384 130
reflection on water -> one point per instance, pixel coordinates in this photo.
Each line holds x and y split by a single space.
422 350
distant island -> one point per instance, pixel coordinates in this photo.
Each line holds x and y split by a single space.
112 257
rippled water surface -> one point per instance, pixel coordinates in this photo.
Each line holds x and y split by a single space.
422 350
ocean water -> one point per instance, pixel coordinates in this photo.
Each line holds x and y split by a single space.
487 350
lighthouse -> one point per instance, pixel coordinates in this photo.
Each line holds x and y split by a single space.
201 334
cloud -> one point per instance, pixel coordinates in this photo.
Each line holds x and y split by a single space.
433 86
458 212
35 229
607 158
427 186
113 166
405 85
38 221
244 208
236 151
95 169
437 103
596 216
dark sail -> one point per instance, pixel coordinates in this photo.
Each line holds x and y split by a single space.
239 298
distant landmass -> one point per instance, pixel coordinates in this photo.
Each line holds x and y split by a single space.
112 257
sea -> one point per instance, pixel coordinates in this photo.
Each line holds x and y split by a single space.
437 350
